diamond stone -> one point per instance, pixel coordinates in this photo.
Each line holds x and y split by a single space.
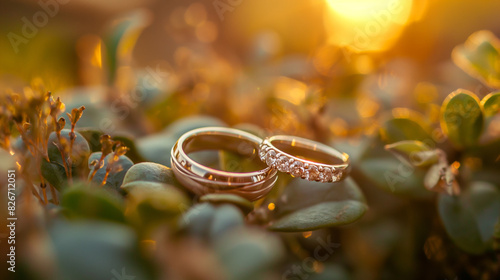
312 173
296 169
282 164
262 152
337 174
270 158
326 175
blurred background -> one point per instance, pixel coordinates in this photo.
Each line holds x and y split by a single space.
322 34
235 52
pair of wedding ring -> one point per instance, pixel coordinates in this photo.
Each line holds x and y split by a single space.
296 156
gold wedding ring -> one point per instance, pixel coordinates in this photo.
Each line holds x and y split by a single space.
201 179
304 158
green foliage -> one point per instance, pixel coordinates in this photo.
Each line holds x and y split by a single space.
462 118
88 202
151 172
480 56
209 222
107 213
308 205
148 208
403 125
115 176
413 152
470 219
221 198
90 249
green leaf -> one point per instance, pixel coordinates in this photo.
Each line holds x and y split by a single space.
326 214
86 202
395 176
151 172
223 198
143 185
415 153
227 218
404 124
96 250
121 39
209 222
148 208
54 173
480 57
79 154
470 218
115 176
249 254
491 104
462 118
308 205
93 137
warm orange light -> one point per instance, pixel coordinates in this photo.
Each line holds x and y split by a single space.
307 234
456 165
97 56
366 25
271 206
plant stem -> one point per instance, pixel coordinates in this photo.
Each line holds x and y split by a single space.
94 171
54 194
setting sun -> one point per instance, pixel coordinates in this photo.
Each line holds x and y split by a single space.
366 25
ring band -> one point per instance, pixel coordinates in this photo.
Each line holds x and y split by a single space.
202 180
288 153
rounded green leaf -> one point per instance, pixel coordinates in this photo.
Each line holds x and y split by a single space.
86 202
462 118
394 176
149 208
197 220
122 37
222 198
404 124
308 205
491 104
115 176
151 172
415 153
143 185
209 222
479 57
93 137
80 150
470 218
97 250
249 254
227 217
326 214
54 173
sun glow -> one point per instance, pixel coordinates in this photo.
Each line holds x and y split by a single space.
366 25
